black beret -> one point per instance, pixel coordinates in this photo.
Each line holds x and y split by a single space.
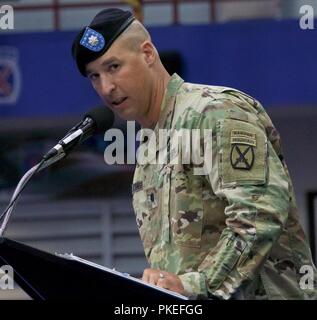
94 40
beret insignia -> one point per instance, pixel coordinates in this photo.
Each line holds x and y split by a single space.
92 40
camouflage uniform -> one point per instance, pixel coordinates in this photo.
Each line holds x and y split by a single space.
234 232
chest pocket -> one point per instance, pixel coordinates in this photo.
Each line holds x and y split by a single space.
186 207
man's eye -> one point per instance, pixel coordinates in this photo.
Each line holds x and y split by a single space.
93 76
113 67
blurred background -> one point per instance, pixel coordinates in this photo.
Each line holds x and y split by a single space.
83 206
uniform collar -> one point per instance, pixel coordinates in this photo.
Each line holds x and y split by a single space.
168 102
167 109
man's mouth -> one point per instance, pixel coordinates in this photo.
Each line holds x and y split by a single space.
118 101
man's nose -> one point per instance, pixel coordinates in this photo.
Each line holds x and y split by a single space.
107 86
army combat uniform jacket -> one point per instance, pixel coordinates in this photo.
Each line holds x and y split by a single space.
233 231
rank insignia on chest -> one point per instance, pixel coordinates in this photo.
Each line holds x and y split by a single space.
242 149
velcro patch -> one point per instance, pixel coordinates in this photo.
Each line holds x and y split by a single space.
242 147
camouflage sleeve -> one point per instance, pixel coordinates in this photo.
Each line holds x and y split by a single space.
248 175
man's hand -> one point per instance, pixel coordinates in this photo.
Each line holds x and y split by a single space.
163 279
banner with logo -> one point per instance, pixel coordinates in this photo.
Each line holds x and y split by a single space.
10 75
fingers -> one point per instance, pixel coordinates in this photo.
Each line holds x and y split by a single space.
163 279
162 283
154 277
145 276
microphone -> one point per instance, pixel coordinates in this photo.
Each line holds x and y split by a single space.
97 120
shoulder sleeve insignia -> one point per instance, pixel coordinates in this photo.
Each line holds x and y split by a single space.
242 147
242 152
242 157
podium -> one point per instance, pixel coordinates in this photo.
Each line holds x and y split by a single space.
45 276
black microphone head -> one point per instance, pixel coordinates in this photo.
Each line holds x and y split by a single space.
103 118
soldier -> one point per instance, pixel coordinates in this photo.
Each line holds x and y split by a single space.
231 232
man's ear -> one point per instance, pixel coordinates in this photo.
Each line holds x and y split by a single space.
149 52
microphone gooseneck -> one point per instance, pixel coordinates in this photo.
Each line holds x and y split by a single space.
95 121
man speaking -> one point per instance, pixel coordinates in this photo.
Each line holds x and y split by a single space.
231 233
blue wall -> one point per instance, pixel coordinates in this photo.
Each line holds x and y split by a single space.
275 61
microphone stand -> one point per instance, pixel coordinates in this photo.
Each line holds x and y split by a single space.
23 182
13 201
